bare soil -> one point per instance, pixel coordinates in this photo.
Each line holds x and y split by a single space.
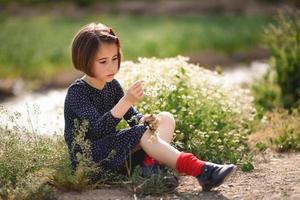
276 176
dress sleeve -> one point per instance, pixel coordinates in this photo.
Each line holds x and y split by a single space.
98 125
132 111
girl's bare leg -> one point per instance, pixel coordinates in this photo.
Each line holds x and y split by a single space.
159 149
163 152
166 127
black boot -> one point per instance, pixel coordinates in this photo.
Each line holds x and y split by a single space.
213 175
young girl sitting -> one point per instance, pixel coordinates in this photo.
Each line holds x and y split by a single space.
99 99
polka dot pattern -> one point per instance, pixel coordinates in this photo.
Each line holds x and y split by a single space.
84 102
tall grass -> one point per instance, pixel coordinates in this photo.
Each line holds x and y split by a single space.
26 161
279 131
31 164
38 47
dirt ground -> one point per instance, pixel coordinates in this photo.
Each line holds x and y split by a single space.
276 176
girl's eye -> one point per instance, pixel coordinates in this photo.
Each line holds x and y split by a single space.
102 62
114 59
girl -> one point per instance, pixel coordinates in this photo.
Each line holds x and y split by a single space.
99 99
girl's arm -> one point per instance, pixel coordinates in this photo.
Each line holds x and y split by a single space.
133 95
121 99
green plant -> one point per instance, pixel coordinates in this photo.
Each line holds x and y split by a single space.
43 41
283 39
26 161
261 146
247 166
267 94
86 174
31 164
212 119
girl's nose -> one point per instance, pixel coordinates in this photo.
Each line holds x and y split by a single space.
113 67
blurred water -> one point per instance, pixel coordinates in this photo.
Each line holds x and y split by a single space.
39 113
42 113
244 74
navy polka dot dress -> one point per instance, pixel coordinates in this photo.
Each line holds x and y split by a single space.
84 102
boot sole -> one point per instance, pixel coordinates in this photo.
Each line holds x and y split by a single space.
207 188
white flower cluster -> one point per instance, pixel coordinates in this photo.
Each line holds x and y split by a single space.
160 74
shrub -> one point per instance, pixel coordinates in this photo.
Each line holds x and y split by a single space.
283 39
213 119
267 93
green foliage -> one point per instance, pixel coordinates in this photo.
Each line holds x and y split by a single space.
281 85
38 47
261 146
267 93
283 38
212 119
247 166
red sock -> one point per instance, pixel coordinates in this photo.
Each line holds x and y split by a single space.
188 164
148 160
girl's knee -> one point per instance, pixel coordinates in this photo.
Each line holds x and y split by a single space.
166 117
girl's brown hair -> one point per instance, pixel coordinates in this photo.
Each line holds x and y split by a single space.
86 43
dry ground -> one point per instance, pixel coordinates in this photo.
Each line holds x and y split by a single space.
276 176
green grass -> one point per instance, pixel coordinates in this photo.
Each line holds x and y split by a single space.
38 47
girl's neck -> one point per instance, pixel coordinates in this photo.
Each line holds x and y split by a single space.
94 82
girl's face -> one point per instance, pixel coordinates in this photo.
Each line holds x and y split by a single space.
105 64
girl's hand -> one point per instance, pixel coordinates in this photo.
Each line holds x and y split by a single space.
150 119
135 93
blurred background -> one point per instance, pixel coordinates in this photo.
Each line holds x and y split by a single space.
255 107
35 35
